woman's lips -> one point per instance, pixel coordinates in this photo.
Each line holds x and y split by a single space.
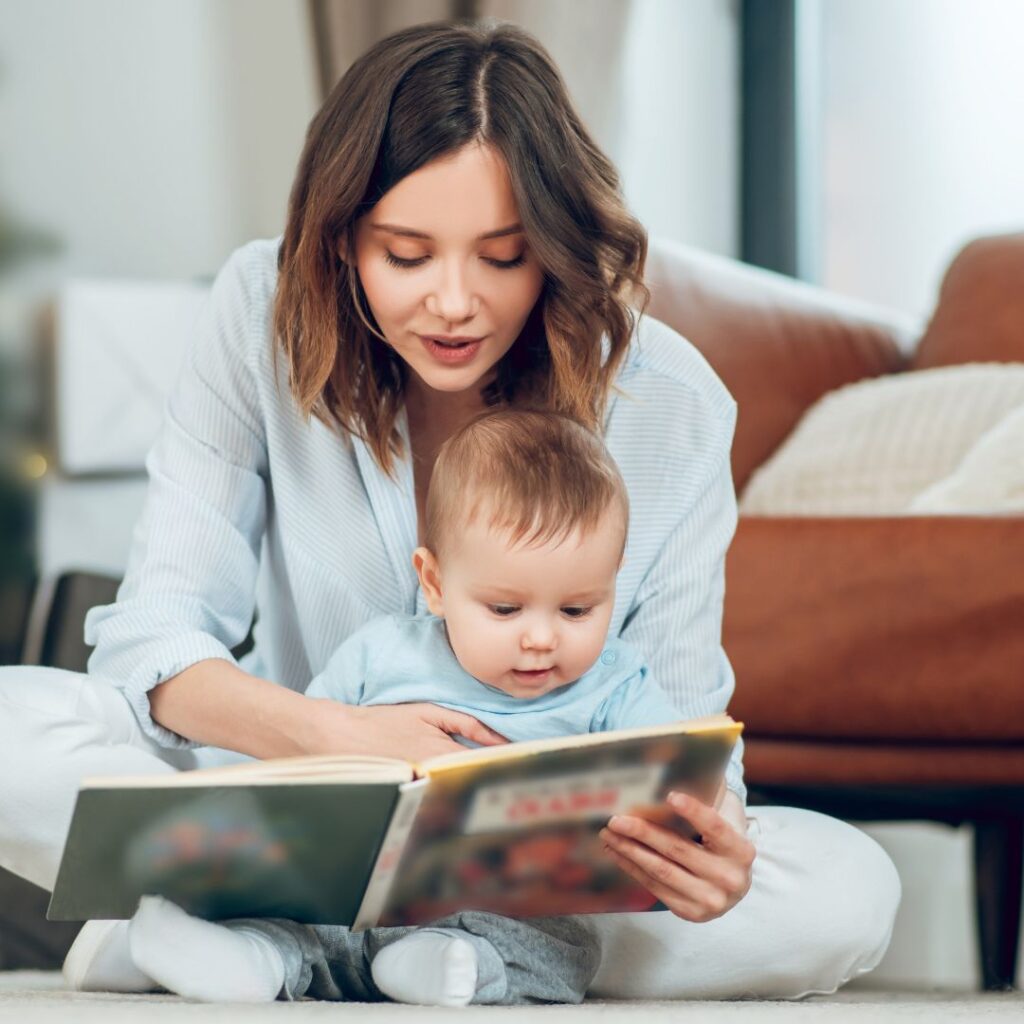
451 353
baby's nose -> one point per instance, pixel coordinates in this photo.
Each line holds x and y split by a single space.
539 636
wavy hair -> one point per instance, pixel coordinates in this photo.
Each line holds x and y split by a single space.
423 93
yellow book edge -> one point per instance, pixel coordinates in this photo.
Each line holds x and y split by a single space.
321 768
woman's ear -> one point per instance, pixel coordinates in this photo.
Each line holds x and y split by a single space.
425 564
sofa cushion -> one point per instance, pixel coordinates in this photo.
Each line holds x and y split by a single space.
870 448
989 479
899 628
980 313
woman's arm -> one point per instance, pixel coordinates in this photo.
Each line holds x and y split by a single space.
214 702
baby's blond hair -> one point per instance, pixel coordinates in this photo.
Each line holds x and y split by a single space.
538 474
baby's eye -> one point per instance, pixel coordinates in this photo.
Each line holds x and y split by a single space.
503 609
576 612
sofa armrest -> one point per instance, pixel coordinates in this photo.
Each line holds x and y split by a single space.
904 628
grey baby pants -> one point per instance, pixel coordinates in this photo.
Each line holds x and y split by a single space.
539 960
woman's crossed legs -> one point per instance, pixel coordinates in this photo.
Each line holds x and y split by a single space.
819 912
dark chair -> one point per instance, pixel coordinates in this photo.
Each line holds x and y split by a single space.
53 637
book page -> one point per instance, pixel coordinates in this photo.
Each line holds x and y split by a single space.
272 771
514 751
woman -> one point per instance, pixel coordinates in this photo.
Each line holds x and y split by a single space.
455 239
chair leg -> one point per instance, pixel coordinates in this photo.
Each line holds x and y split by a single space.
998 866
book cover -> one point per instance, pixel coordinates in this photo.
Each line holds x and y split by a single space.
510 829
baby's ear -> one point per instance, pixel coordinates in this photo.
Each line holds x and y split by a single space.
425 564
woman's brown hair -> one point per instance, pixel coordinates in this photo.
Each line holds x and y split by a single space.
417 95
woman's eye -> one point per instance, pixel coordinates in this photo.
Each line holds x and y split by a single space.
518 261
576 612
398 261
503 609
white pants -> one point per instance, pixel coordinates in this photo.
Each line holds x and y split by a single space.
819 912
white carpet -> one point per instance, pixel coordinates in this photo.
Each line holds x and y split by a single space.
28 997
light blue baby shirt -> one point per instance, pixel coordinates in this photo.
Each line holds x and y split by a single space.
398 659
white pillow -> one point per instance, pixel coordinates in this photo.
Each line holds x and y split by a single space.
872 447
989 479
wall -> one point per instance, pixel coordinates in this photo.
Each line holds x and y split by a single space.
923 139
153 137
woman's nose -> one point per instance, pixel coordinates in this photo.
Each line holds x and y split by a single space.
453 299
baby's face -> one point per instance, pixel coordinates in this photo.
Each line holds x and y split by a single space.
527 619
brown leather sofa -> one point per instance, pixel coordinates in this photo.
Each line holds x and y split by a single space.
879 661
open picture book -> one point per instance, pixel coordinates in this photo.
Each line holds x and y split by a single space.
361 841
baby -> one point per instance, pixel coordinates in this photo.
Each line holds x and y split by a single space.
525 530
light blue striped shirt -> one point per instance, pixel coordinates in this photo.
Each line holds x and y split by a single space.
251 505
400 659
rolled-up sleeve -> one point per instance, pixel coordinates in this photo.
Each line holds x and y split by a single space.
676 619
189 589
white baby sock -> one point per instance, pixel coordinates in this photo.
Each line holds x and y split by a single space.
100 960
430 967
201 959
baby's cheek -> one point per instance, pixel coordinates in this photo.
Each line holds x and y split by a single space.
588 649
482 653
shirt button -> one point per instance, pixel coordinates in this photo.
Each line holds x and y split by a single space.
608 658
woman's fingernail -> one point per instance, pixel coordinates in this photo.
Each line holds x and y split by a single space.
615 821
677 798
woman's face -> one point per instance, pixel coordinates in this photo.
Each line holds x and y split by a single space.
442 258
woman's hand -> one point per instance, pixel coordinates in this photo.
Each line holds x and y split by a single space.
696 881
409 732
